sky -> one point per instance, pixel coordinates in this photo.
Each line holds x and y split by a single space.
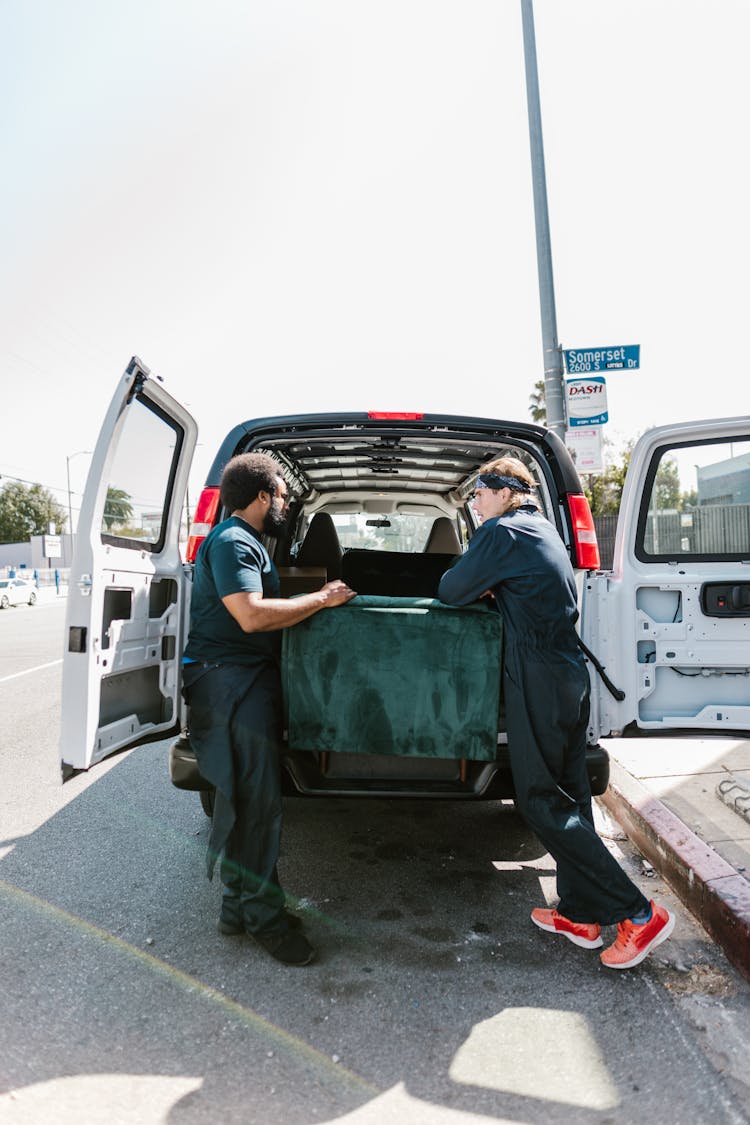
309 205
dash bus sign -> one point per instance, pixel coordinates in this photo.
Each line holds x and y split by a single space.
585 361
586 401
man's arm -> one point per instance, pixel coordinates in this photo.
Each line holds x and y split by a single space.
256 614
477 571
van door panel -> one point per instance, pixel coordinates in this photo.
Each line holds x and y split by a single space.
128 590
669 622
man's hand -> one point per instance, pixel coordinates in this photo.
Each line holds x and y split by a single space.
256 614
337 593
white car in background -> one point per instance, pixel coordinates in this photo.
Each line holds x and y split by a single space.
15 591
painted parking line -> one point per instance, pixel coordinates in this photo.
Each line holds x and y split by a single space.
28 671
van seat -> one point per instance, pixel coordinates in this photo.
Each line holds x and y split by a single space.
321 546
443 538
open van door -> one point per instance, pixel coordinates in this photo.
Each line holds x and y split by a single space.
671 621
128 588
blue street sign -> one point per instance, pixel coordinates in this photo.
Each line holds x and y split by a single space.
585 361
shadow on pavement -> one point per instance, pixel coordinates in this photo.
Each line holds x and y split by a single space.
433 997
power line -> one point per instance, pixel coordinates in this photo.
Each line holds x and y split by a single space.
50 487
33 483
60 500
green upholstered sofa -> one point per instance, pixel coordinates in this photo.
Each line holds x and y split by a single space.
401 676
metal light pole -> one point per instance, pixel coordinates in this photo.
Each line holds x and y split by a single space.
69 457
553 366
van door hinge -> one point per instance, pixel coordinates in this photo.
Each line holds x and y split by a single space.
136 387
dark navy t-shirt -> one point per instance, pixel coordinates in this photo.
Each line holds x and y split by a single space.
231 560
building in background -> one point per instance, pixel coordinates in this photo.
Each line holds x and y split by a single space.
725 482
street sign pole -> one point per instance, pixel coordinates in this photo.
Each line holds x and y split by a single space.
553 361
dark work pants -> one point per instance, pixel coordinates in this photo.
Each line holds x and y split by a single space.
235 730
547 711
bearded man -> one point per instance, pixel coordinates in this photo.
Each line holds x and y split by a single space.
232 685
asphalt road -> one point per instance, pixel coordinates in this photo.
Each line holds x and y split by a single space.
434 1000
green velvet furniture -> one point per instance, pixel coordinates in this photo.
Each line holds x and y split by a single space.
402 676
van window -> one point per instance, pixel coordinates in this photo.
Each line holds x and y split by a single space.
696 504
391 531
141 477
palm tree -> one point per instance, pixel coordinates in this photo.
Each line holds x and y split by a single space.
537 404
117 507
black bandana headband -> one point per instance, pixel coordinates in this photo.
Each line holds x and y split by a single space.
495 481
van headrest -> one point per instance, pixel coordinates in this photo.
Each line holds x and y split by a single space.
443 538
321 546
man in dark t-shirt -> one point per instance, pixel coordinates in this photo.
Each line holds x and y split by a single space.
232 559
231 681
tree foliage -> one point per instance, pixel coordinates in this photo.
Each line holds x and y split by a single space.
538 405
668 495
604 490
117 508
26 510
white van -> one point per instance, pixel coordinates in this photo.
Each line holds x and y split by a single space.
382 499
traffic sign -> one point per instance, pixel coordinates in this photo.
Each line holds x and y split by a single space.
586 401
583 361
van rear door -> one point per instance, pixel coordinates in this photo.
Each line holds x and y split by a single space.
128 588
671 621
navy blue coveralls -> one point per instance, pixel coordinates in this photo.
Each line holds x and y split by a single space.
520 557
232 683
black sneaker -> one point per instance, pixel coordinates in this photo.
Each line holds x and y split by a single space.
233 926
290 947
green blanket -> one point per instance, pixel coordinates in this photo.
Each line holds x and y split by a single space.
403 676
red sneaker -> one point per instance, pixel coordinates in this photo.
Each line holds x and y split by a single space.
585 934
633 942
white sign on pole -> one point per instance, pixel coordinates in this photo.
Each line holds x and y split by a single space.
584 445
586 400
52 546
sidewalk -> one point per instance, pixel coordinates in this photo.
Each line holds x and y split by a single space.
663 792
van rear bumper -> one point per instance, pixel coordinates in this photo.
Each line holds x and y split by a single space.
309 774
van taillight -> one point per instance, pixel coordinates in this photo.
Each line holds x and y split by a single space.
205 514
584 533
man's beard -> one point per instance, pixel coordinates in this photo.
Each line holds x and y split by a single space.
274 522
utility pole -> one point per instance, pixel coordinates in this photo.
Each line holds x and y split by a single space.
553 365
68 459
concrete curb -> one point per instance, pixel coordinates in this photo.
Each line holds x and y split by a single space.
710 887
